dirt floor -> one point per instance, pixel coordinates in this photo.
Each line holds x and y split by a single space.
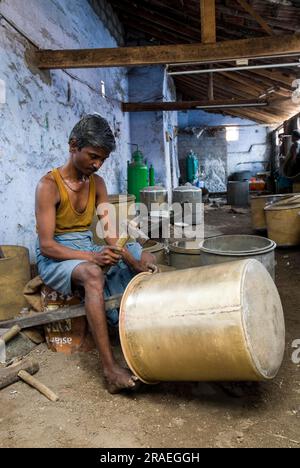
166 415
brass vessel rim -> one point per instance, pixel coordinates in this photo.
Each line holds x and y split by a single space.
124 345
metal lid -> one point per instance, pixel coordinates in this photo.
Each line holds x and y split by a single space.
186 247
273 197
153 246
187 189
121 198
238 245
292 206
154 189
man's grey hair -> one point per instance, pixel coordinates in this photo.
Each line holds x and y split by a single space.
93 130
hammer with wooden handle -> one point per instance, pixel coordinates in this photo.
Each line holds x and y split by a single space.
9 335
23 370
131 230
9 375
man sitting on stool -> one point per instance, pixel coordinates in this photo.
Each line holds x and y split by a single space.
66 199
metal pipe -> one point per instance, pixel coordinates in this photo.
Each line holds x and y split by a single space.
234 106
231 60
228 69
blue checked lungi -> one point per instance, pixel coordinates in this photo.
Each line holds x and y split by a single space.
57 274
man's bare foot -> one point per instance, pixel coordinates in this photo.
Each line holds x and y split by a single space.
118 379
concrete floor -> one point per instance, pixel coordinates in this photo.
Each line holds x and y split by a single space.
166 415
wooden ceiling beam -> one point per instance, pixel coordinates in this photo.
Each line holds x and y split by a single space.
265 83
200 84
284 26
247 7
155 55
187 105
231 89
276 76
258 85
223 91
208 21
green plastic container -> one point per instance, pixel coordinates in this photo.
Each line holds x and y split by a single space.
138 175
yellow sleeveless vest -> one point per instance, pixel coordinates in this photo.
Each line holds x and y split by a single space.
67 218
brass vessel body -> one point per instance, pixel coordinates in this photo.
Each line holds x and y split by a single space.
215 323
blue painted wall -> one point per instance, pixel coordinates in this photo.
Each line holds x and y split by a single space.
41 108
155 132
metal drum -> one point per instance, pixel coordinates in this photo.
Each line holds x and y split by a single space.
283 224
190 198
241 176
258 205
238 193
216 323
158 250
223 249
154 196
14 275
185 254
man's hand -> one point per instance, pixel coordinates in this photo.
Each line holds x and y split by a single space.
139 266
108 256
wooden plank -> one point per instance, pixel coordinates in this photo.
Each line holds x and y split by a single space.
256 16
208 21
154 55
65 313
184 105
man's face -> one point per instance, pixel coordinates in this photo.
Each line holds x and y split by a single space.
88 160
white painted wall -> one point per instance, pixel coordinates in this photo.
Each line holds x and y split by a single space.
37 117
170 136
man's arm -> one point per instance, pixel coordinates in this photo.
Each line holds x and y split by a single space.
102 197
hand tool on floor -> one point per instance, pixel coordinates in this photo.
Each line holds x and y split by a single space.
23 370
9 375
26 377
9 335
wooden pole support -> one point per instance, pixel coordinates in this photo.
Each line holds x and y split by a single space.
26 377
